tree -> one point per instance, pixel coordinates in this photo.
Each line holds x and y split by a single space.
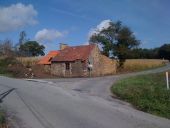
140 53
22 37
22 40
32 48
116 40
6 47
164 51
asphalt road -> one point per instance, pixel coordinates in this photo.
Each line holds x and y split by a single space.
73 103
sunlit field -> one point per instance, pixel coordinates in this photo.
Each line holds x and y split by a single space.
132 65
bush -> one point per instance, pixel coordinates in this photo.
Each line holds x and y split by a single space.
5 63
11 66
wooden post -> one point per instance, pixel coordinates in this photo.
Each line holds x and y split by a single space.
167 80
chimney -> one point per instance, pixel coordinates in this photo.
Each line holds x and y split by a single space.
63 46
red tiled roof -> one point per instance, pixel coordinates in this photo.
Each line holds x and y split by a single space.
74 53
47 59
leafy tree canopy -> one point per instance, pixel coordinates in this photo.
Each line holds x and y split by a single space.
164 51
32 48
116 40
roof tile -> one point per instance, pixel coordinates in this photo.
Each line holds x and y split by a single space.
47 59
74 53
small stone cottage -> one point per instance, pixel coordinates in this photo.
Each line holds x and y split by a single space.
81 61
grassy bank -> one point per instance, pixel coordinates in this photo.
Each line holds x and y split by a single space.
4 64
2 119
11 67
146 92
133 65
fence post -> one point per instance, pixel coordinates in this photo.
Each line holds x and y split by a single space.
167 81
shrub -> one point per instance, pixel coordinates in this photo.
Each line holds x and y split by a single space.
5 63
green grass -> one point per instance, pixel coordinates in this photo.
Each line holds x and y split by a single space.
2 117
146 92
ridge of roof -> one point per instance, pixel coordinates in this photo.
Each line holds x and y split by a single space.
73 53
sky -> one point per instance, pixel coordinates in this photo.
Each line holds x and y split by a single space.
51 22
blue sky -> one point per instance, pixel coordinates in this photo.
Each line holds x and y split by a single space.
70 21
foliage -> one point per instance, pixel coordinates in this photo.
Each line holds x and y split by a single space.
32 48
153 53
22 67
6 47
146 92
10 66
117 40
164 51
5 63
140 53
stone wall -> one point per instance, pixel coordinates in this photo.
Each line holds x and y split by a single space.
102 65
47 68
95 59
107 66
58 69
76 69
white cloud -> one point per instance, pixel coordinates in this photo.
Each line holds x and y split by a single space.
103 25
16 16
48 35
85 43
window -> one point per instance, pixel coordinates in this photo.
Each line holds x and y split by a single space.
67 66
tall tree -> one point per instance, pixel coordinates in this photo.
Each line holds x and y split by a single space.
140 53
22 37
164 51
32 48
116 39
22 40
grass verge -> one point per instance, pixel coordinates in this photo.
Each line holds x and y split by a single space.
146 92
3 123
